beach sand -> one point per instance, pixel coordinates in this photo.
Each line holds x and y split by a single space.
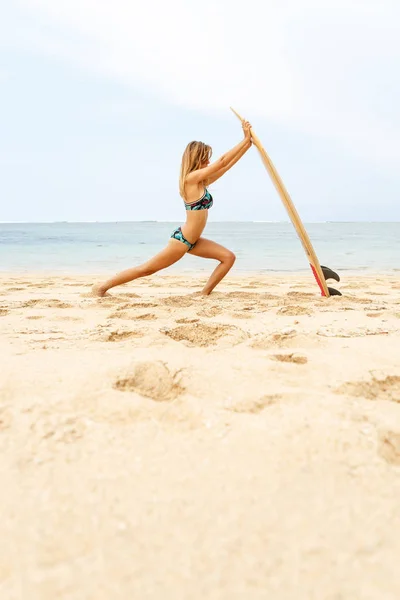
155 444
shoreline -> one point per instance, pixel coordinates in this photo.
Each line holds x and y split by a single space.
237 274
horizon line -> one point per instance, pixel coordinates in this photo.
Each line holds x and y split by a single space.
173 221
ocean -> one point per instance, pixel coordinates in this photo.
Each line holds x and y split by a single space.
259 247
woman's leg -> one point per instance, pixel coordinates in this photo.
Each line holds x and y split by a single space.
167 257
208 249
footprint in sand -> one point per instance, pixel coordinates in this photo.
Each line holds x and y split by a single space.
64 318
255 406
119 314
186 320
293 311
353 286
64 430
134 305
350 333
355 300
179 301
244 295
301 295
145 317
3 312
252 296
143 305
287 338
132 316
107 301
34 317
374 389
152 380
42 303
374 314
202 335
15 289
389 447
119 336
298 359
210 312
127 295
5 418
377 308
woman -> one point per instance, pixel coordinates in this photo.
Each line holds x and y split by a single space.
196 172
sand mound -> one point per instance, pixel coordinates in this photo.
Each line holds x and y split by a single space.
389 447
199 334
375 389
292 311
117 336
150 379
299 359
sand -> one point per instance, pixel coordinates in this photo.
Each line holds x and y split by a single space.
155 444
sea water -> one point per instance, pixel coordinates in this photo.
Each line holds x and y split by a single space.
259 247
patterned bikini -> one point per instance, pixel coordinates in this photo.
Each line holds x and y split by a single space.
204 203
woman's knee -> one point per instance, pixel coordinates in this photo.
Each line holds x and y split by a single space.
228 258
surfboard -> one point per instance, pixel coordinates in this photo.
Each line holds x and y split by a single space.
321 273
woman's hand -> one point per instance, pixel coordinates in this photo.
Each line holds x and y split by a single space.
246 130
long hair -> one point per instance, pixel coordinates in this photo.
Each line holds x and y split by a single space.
195 154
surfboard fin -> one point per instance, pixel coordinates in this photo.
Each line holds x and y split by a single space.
329 274
334 292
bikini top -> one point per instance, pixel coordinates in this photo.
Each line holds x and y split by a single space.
204 203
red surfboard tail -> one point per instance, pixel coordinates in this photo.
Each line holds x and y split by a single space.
317 279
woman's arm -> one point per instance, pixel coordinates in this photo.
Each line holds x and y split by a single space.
225 162
232 162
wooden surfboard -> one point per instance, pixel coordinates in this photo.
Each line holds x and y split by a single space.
320 273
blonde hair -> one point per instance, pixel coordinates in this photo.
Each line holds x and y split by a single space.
195 155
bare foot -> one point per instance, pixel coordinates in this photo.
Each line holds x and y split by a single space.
99 291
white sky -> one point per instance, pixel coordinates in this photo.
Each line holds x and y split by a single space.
305 73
